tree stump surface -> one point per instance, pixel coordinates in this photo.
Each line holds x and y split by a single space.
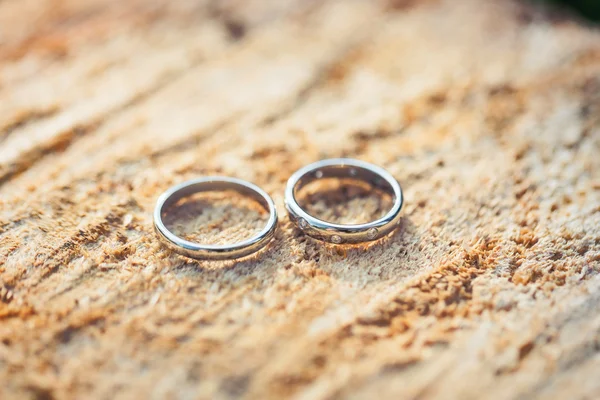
487 112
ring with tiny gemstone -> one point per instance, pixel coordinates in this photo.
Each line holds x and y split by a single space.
344 168
214 252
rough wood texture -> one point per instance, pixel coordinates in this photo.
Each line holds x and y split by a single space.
487 112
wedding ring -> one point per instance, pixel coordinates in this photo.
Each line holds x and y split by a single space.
214 252
376 176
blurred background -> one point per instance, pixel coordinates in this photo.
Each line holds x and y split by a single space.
587 8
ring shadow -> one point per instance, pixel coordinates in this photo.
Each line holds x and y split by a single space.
247 264
398 251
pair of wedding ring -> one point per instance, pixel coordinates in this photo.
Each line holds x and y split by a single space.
341 168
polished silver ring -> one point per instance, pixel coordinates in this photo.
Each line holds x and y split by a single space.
342 233
214 252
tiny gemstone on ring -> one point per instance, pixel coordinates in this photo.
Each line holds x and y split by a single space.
336 239
319 174
372 233
303 224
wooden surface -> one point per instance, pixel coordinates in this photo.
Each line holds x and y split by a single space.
487 112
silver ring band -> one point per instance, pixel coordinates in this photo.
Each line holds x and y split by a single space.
344 168
214 252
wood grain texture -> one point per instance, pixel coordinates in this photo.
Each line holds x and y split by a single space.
487 112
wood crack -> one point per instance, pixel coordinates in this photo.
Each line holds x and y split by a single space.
27 117
63 140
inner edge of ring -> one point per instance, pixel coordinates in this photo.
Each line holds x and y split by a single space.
210 184
373 175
